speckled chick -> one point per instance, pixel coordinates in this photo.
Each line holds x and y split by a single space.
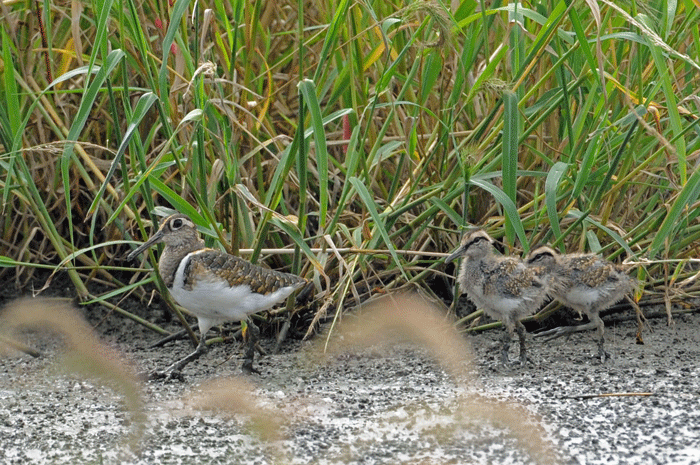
213 285
585 282
502 286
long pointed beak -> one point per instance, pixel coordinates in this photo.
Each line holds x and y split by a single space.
156 238
454 255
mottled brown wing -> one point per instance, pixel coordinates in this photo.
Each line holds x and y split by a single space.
593 270
237 271
511 277
581 262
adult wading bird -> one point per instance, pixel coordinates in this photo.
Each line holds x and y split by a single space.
214 286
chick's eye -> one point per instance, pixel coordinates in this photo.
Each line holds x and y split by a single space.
177 223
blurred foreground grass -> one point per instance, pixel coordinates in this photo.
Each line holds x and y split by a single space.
275 416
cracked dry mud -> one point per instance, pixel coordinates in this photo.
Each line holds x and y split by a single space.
378 405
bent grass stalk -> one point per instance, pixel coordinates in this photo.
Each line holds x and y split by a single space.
567 125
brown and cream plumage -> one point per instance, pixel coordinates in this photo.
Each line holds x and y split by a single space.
502 286
585 282
213 285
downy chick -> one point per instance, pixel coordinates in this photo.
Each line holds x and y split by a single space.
503 287
585 282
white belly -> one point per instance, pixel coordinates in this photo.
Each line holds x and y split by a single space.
582 297
506 305
214 299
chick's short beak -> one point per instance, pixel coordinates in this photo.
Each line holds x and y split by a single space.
454 255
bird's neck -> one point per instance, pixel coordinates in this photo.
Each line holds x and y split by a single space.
172 256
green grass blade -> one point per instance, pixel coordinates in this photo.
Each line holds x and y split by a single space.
308 90
176 201
610 232
10 84
195 116
368 200
176 14
583 43
666 232
100 41
293 232
511 135
142 107
449 211
511 211
550 194
12 113
664 75
614 164
331 37
352 164
87 102
86 105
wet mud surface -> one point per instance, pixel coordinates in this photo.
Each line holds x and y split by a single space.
377 405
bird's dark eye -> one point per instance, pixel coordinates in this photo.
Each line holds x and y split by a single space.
540 257
177 223
476 240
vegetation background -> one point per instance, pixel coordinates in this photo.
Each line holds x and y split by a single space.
361 137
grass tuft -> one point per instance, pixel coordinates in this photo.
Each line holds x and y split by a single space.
366 126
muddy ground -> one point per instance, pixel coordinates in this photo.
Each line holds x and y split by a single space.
377 405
